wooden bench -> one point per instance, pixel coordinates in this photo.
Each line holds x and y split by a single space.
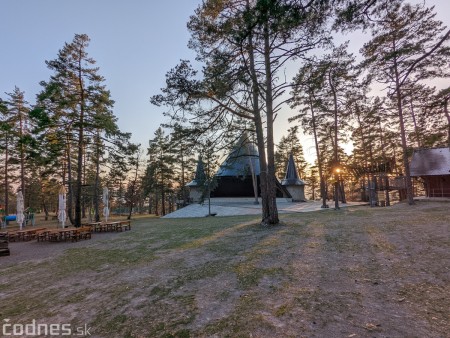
42 235
85 232
13 236
126 225
32 233
75 235
53 236
85 235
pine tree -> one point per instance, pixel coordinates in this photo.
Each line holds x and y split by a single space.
441 103
323 90
245 46
6 141
159 174
408 46
134 161
73 104
18 112
290 144
182 146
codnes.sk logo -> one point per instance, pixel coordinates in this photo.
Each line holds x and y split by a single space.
35 329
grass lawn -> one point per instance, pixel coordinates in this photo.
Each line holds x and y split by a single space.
357 272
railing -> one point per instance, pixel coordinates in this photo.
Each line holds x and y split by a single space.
443 192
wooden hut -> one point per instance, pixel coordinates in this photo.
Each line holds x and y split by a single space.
433 167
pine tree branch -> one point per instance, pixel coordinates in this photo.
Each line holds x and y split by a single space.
424 56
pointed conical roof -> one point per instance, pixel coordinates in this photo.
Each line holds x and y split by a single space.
291 177
243 159
199 174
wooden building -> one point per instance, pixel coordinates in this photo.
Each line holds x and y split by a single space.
432 166
239 174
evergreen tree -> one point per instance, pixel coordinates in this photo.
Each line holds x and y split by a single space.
14 143
18 116
182 147
208 155
75 103
408 46
323 90
245 46
132 191
441 103
290 144
6 141
160 172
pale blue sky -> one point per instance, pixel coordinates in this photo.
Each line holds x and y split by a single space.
135 42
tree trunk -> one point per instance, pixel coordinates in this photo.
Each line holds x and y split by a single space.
83 201
342 192
69 182
336 159
133 187
409 191
271 178
336 194
183 181
6 175
323 193
385 177
363 189
416 129
259 130
254 180
162 207
97 179
44 206
80 152
22 153
386 186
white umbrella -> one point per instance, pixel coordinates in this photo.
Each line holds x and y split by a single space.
20 208
105 203
62 206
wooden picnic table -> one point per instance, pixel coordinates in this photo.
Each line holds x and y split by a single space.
125 225
60 234
25 235
42 235
111 226
72 233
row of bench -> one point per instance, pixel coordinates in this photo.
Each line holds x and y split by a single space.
23 235
74 234
110 226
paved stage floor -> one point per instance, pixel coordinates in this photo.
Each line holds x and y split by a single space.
246 206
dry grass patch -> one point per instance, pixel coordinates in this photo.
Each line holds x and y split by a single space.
348 273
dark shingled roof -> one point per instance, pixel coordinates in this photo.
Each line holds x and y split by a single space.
430 162
291 177
240 160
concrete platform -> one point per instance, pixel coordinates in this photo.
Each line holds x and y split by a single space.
246 206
